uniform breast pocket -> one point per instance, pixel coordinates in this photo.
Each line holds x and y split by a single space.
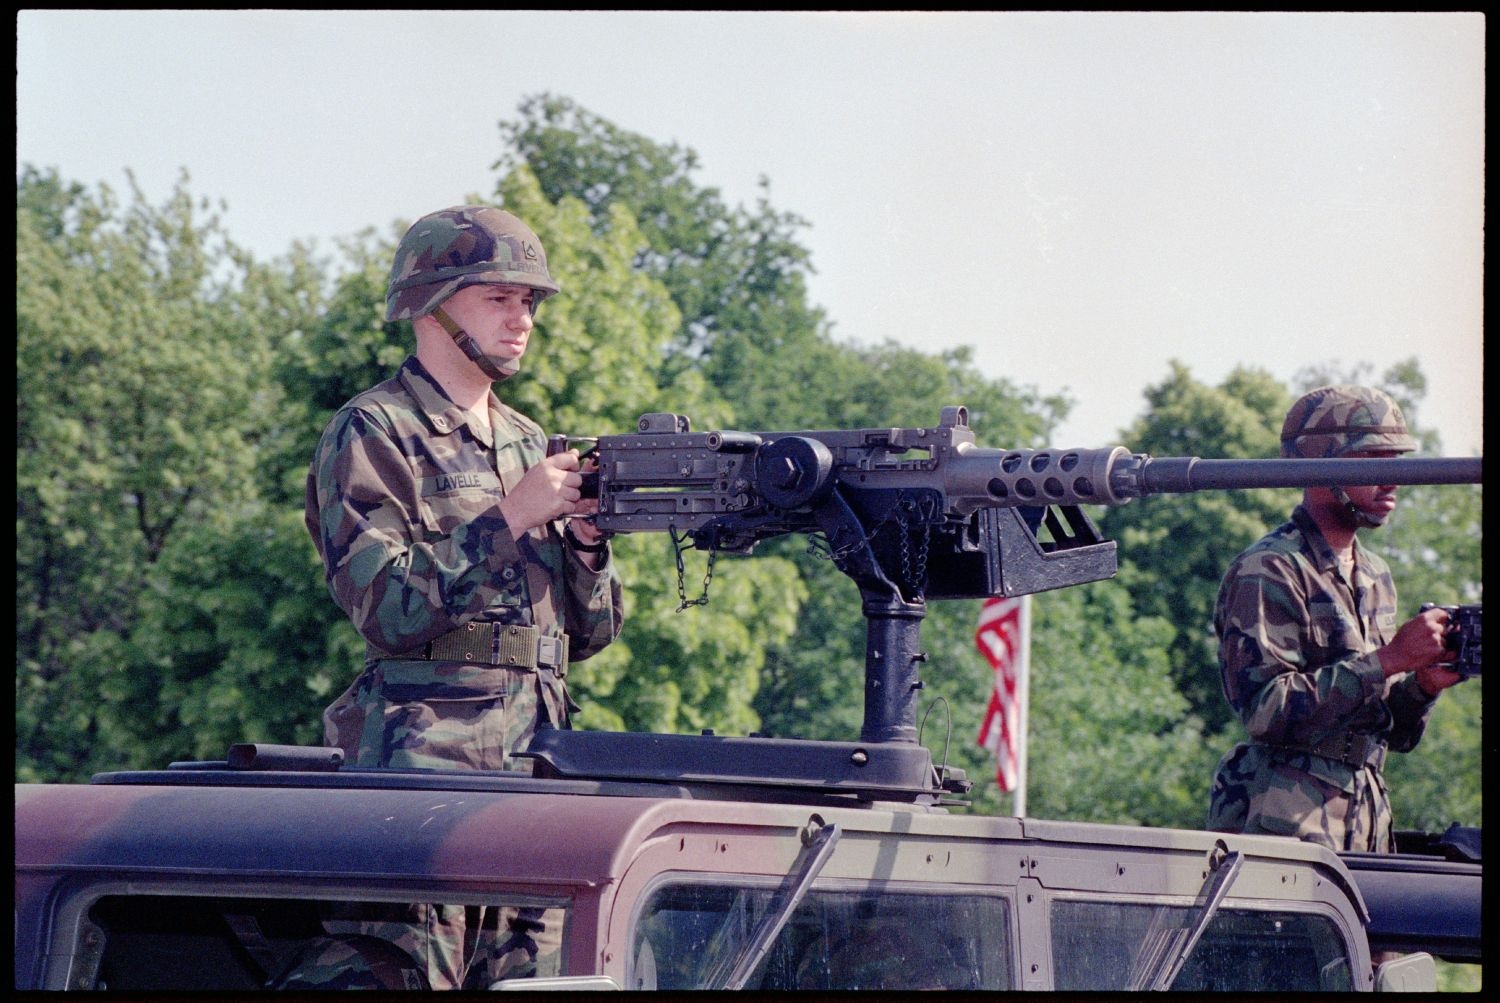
452 499
1332 630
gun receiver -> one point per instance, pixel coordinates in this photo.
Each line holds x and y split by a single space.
913 514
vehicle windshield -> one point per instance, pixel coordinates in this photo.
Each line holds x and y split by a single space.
856 939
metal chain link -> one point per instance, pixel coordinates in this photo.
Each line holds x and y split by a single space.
919 583
821 547
677 549
916 579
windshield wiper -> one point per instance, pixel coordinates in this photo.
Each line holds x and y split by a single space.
819 840
1163 952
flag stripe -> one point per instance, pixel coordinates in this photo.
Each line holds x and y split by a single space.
998 638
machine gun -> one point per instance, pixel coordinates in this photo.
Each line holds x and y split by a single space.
912 514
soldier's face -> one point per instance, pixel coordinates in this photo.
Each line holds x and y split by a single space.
1375 499
497 317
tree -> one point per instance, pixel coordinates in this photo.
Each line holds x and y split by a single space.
233 643
737 276
1174 548
143 357
1112 739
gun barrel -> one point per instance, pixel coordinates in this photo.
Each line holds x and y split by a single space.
975 477
1158 475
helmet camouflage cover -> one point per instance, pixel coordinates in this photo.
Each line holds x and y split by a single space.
1335 421
463 246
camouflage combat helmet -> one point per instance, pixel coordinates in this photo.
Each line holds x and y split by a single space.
463 246
1339 420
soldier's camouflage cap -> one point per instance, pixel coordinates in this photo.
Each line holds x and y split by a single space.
463 246
1335 421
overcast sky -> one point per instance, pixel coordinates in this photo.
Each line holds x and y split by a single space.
1082 197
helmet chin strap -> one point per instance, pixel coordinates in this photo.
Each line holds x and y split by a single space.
493 366
1359 515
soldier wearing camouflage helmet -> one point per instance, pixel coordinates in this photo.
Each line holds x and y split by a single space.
1310 653
446 532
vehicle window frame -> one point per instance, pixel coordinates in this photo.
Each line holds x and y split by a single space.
73 899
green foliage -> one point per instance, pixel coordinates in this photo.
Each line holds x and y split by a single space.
596 357
1453 977
684 670
1111 737
736 276
234 643
596 369
143 360
1440 781
1174 548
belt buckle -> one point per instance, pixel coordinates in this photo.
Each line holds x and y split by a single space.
549 651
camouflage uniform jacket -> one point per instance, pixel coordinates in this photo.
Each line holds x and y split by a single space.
402 503
1298 661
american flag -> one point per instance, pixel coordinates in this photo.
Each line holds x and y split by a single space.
999 637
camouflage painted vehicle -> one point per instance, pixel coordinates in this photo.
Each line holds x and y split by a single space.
214 877
703 861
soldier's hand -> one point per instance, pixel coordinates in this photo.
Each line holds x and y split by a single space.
1419 643
587 532
549 490
1435 678
584 529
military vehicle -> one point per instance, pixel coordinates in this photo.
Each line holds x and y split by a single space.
704 861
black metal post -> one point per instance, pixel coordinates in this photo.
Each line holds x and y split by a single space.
893 654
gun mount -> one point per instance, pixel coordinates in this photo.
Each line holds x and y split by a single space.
913 514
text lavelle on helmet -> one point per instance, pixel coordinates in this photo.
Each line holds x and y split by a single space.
1335 421
460 246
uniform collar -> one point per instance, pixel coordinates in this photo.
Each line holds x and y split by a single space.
441 413
1322 551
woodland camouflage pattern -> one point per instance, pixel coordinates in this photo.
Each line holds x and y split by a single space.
402 503
1298 664
1335 421
425 947
466 245
352 962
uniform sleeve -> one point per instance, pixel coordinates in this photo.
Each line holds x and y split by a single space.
1285 681
595 608
1410 708
363 510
